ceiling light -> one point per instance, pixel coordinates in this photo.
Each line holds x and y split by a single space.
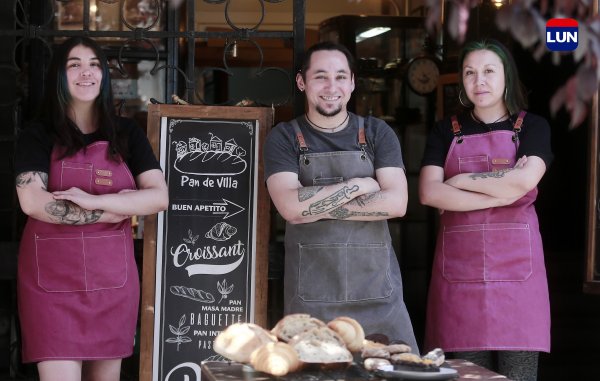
371 33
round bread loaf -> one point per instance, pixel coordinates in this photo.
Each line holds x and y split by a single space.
239 340
350 331
321 345
277 359
293 324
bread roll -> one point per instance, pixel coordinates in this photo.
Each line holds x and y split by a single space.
379 352
277 359
239 340
374 363
398 348
350 331
321 345
293 324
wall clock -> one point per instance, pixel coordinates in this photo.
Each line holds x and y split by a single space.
422 74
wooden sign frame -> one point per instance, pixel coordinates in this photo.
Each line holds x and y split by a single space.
264 120
591 282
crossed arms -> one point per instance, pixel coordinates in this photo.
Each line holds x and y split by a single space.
475 191
76 207
359 199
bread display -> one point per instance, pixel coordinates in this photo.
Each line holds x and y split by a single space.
350 331
293 324
239 340
321 345
299 339
277 359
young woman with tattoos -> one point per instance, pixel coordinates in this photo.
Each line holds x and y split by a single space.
336 178
488 297
82 172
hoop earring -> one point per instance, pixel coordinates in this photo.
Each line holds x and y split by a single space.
461 101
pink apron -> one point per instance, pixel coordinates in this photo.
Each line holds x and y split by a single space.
488 288
78 285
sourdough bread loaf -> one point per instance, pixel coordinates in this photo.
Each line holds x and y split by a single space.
293 324
321 345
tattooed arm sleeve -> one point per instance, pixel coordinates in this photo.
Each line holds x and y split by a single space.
389 202
37 202
298 204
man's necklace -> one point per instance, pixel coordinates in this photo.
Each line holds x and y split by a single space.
475 118
331 129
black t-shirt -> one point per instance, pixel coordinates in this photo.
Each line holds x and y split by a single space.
34 148
534 138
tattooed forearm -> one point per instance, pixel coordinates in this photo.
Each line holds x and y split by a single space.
366 199
27 178
307 192
342 213
66 212
495 174
331 202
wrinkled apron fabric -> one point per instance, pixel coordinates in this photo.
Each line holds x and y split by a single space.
78 285
344 268
488 289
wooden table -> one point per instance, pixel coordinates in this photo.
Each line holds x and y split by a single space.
232 371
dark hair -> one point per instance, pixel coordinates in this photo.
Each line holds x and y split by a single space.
516 98
57 98
325 45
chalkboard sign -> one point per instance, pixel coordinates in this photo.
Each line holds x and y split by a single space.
206 249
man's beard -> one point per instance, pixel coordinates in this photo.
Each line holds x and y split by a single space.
330 113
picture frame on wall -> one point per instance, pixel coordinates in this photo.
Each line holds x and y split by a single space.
70 14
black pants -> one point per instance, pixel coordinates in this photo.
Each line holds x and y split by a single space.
516 365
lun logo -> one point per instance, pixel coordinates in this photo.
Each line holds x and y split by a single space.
562 35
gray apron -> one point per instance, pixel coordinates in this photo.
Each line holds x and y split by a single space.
339 267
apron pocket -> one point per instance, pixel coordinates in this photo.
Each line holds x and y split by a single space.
77 175
344 272
487 252
105 259
71 262
473 164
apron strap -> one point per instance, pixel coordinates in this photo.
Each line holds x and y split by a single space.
517 125
299 136
456 129
362 139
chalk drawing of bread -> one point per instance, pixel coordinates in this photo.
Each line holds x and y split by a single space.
210 163
192 293
221 232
